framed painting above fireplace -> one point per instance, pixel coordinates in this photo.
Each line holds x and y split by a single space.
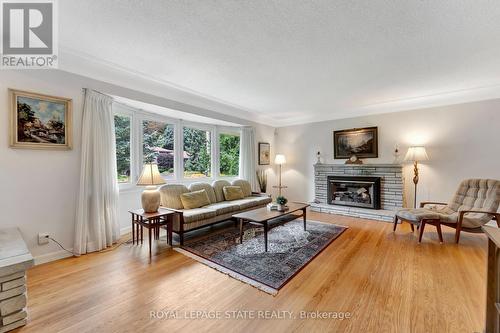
362 142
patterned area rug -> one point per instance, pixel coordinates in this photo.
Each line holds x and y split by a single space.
290 249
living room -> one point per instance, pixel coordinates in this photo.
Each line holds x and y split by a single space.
250 166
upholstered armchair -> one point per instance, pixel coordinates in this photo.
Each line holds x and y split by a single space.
474 204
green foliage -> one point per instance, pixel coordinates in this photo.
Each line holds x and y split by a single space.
122 133
158 135
229 154
281 200
197 146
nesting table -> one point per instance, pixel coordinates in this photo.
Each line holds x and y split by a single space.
153 222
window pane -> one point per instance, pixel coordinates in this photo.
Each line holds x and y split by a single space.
122 133
229 150
196 153
158 146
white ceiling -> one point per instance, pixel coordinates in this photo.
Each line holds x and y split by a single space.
285 62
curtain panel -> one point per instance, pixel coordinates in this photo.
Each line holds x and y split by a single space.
248 156
96 224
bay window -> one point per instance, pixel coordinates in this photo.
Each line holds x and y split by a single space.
183 151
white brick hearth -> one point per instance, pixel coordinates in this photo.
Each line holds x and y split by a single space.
15 259
391 189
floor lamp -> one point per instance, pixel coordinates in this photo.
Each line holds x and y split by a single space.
280 160
415 155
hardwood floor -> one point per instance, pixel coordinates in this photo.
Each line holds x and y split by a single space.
385 280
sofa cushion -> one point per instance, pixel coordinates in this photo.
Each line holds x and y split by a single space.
224 207
197 214
171 195
232 193
218 185
261 200
204 186
245 186
195 199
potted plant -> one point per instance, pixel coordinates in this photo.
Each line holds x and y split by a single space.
281 201
262 180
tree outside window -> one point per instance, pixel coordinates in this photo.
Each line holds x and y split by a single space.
122 136
197 152
158 146
229 154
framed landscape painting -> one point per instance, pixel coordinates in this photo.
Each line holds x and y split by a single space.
362 142
40 121
264 153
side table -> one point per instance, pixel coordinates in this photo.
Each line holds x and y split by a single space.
152 222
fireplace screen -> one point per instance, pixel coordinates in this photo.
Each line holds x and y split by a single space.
354 191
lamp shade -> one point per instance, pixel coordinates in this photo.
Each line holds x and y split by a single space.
150 175
416 153
280 159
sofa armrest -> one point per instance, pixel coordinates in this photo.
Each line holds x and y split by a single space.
259 194
423 203
173 210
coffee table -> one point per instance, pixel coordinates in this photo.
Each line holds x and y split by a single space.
262 216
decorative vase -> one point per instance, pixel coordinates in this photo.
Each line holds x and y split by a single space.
281 208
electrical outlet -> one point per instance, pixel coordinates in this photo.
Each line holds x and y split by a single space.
43 238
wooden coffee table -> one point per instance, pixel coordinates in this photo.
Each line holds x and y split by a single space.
262 216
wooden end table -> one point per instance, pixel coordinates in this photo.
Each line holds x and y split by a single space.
151 221
262 216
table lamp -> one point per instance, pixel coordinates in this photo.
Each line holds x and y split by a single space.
279 159
150 177
416 154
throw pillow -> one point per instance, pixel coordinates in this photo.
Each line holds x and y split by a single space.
232 193
195 199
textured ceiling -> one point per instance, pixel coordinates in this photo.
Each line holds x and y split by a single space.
299 61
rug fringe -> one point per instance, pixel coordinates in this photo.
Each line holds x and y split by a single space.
233 274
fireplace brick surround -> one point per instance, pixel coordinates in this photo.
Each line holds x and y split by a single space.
391 189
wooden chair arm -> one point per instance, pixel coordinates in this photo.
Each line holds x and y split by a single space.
422 204
496 215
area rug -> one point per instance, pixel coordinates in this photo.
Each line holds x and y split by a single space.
290 249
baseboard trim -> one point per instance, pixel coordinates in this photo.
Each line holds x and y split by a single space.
125 230
52 256
56 255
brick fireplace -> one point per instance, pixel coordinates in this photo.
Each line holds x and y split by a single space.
354 191
372 191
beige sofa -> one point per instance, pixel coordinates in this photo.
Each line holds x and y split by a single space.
217 211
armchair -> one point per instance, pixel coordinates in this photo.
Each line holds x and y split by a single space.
474 204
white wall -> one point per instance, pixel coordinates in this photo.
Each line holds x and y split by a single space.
462 141
39 187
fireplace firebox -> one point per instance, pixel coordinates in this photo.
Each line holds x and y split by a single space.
354 191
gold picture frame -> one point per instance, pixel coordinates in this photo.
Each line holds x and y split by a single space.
40 121
362 142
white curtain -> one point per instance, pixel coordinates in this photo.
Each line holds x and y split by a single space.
247 155
96 225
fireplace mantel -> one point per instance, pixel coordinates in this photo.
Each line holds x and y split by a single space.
391 188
